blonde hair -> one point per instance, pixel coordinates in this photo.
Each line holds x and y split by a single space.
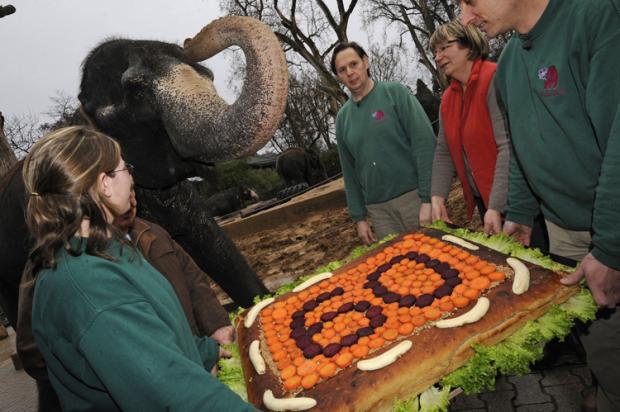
60 174
467 36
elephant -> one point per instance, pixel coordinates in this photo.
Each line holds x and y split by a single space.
160 104
230 200
297 165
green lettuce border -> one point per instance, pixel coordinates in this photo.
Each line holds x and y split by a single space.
514 355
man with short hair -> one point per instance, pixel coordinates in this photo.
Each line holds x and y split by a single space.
559 82
386 145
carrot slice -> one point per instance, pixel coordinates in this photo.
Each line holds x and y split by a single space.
343 360
406 329
480 283
309 381
460 301
328 370
306 368
390 334
497 276
471 293
376 343
360 351
432 313
292 383
418 320
288 372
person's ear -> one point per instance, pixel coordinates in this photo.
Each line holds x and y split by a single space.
104 184
365 60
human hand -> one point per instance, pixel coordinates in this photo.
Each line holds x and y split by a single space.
492 222
223 354
425 214
521 233
603 281
224 335
438 209
364 231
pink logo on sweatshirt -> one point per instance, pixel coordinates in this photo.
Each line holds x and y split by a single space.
378 115
552 79
550 76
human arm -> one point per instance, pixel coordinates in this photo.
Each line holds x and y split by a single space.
522 205
352 186
209 314
602 101
499 188
147 355
442 175
603 281
364 231
418 129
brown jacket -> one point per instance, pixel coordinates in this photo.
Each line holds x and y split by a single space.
202 309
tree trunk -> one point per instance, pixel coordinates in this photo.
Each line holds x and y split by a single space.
7 157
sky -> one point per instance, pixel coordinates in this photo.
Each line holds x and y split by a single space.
43 43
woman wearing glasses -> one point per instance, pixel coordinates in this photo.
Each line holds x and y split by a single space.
473 138
111 330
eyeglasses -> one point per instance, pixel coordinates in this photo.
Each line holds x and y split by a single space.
444 47
128 166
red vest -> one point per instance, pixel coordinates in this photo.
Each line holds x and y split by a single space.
469 130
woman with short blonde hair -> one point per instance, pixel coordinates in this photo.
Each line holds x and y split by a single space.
473 140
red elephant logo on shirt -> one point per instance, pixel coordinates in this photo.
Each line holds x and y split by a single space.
550 76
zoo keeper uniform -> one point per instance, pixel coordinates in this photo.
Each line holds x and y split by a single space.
114 337
561 91
386 145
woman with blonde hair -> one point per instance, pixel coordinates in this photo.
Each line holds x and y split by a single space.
473 138
111 330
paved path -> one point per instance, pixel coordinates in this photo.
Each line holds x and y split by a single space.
556 384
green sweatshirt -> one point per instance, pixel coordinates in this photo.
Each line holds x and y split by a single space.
562 96
386 146
114 337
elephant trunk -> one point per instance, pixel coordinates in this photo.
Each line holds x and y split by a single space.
202 125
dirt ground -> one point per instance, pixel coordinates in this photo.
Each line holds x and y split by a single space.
285 252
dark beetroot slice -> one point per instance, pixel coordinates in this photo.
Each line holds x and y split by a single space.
432 263
362 306
310 305
323 297
299 314
327 316
365 331
407 301
453 281
373 276
379 291
443 290
384 267
377 321
424 300
346 307
450 273
442 267
315 328
422 258
349 339
411 255
297 322
303 342
396 259
331 349
371 284
298 333
337 291
374 311
312 350
391 297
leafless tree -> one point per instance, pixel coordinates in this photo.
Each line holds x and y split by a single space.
417 20
7 156
309 31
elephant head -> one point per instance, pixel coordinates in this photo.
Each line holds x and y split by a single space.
161 105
